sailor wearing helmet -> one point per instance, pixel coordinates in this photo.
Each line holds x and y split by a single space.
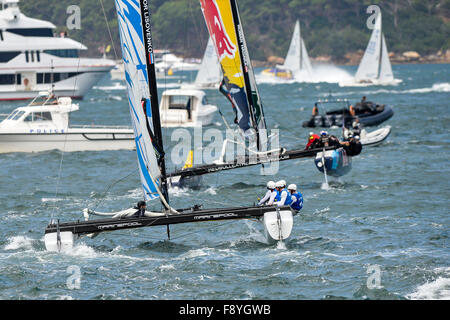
296 197
283 198
270 194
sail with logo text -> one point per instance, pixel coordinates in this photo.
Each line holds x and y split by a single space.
137 51
239 87
238 84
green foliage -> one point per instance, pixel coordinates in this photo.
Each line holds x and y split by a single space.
329 27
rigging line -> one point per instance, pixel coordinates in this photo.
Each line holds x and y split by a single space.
110 186
66 136
109 30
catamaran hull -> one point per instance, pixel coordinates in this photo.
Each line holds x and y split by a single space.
67 142
192 182
72 230
336 162
278 225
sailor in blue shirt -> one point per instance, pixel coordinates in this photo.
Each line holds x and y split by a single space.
296 198
283 197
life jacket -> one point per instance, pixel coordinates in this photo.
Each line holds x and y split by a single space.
288 197
298 204
311 140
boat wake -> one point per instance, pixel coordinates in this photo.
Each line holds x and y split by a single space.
320 73
353 83
438 289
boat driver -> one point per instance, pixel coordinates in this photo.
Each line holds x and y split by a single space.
270 194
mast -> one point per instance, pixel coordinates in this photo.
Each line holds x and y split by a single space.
156 135
252 97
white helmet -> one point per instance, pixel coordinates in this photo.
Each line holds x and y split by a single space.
270 185
292 187
280 184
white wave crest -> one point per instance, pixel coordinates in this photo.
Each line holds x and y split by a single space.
438 289
19 242
437 87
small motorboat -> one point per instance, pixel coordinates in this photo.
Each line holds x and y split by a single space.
278 73
336 162
186 108
368 113
373 138
44 125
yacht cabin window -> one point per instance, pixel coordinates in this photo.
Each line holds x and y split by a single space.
180 102
6 56
38 116
32 32
15 115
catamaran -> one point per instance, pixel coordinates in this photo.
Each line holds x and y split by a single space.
375 67
297 64
134 22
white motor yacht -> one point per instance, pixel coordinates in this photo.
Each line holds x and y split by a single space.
44 125
32 59
185 108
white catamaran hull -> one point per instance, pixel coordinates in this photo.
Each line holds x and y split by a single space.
92 140
278 225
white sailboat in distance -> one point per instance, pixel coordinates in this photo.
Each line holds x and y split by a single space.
297 65
209 74
375 67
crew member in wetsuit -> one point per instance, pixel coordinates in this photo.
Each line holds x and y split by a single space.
270 194
327 140
353 146
141 207
296 197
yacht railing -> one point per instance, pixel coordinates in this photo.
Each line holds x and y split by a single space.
87 126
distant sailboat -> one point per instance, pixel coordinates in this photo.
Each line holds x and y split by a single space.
209 74
375 67
297 64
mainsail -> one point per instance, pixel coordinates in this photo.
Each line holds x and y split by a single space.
137 52
239 85
375 64
297 59
209 72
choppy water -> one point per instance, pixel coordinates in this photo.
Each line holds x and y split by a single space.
390 211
